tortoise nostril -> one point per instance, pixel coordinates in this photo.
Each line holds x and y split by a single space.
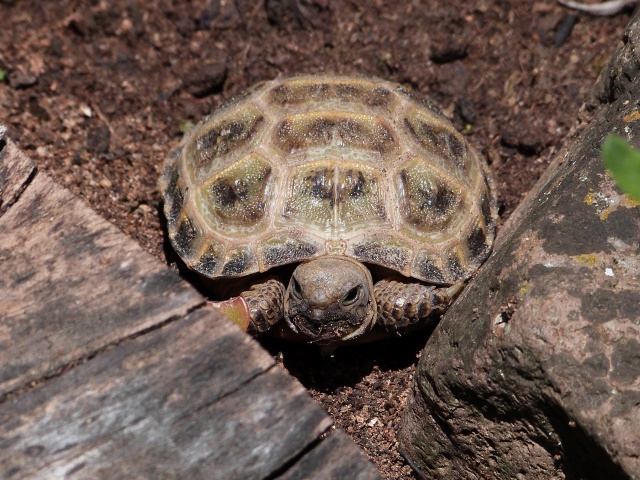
351 296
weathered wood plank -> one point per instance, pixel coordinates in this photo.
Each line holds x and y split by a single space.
336 457
194 399
71 284
151 393
15 171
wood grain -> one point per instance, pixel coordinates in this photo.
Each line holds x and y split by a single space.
336 457
111 366
73 284
194 399
15 171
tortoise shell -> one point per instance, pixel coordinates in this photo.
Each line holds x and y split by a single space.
307 166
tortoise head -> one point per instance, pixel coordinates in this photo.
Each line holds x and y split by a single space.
330 299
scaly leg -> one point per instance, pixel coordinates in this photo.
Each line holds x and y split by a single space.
402 306
266 304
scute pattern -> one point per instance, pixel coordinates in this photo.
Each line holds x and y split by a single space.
476 242
430 266
187 235
438 138
236 200
386 251
209 260
217 138
296 92
325 165
430 201
238 261
359 198
310 198
344 129
281 250
333 200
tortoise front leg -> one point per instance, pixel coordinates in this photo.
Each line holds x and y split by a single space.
402 306
266 304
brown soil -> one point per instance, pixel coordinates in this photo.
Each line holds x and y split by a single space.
97 92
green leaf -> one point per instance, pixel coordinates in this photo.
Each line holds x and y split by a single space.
623 162
3 75
185 126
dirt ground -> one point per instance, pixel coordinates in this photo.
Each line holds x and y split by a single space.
98 91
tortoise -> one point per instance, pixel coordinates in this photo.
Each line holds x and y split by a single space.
336 206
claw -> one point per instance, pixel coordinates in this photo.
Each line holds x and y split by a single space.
454 290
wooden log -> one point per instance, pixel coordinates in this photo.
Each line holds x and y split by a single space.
71 283
105 374
337 457
194 399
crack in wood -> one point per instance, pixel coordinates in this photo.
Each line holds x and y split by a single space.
276 474
17 172
91 355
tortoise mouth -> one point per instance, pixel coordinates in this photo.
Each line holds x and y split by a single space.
330 326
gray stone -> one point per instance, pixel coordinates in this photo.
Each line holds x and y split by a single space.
535 371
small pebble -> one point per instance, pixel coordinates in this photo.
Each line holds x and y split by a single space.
144 208
22 80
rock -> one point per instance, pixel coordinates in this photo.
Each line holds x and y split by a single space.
206 79
523 133
21 80
535 370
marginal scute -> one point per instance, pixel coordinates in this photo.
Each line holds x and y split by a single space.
285 249
476 244
386 251
328 128
239 261
293 92
486 208
220 137
454 263
186 238
428 267
175 203
236 199
423 102
173 194
170 177
366 94
210 260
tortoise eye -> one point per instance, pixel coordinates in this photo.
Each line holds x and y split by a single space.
351 296
296 290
